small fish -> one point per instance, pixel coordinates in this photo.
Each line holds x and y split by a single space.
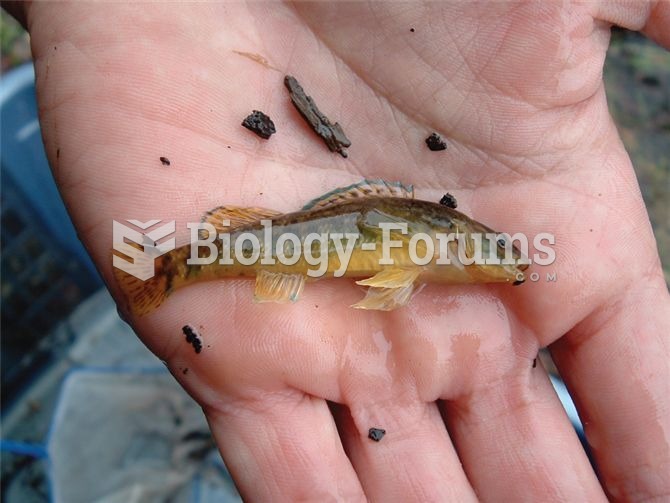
357 209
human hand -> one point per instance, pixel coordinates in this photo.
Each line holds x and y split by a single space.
517 92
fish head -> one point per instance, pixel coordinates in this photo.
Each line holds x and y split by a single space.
499 258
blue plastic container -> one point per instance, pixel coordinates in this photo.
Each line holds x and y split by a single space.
46 272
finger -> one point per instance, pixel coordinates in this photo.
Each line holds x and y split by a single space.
650 17
615 364
414 461
517 444
284 447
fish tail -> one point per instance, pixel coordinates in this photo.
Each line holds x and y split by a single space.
144 296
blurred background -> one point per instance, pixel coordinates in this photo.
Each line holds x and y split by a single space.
82 397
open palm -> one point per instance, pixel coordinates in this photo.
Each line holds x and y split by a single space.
516 90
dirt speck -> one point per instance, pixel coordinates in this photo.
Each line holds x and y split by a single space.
193 338
436 143
449 201
165 161
376 434
260 124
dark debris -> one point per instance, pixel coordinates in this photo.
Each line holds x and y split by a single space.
192 337
165 161
331 133
260 124
449 201
376 434
436 143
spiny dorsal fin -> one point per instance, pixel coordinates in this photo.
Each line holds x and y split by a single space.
238 216
366 188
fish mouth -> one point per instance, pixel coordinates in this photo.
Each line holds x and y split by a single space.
522 267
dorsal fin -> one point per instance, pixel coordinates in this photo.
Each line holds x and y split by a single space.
237 215
366 188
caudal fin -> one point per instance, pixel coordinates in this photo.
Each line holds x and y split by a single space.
142 297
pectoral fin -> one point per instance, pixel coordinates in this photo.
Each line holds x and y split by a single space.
386 299
392 278
278 287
